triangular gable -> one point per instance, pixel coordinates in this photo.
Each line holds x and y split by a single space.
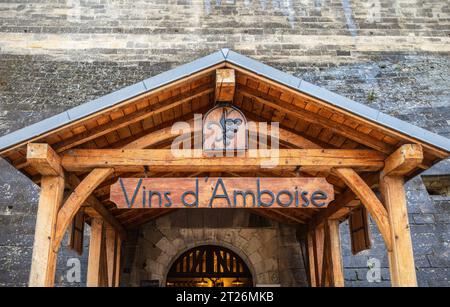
229 58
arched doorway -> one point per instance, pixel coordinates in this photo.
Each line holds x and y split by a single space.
209 266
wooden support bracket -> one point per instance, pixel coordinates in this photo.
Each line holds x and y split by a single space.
44 159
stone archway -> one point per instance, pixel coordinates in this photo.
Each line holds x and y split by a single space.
257 270
235 250
161 242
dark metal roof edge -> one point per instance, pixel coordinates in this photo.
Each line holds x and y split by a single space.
339 101
109 100
376 116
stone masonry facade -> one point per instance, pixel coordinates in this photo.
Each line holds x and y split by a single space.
393 55
269 249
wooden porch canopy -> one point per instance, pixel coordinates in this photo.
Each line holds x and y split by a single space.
356 148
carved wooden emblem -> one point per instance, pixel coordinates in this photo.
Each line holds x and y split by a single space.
224 128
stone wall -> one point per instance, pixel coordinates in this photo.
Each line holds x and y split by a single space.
391 55
429 219
270 250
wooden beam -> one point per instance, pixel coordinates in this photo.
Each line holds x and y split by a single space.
76 200
335 268
401 258
344 202
369 200
43 261
189 160
288 216
135 222
73 181
274 216
84 189
225 84
103 266
95 253
311 117
404 160
44 159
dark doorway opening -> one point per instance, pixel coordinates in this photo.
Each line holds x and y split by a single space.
209 266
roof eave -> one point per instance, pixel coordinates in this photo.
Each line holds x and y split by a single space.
223 56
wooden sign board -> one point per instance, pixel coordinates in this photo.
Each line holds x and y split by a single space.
217 192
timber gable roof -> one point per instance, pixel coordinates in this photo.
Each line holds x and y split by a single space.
222 56
310 117
255 82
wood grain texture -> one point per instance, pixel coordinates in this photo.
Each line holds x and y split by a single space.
359 230
192 160
43 261
111 255
76 200
401 257
225 84
311 117
96 245
336 269
216 192
369 200
403 160
44 159
311 258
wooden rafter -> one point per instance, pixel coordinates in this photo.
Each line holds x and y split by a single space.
132 118
264 84
315 118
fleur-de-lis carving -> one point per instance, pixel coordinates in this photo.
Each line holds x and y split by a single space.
228 126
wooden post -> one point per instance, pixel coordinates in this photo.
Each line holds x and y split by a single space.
103 266
319 237
401 258
43 261
47 163
117 262
325 280
95 253
335 268
111 250
311 256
